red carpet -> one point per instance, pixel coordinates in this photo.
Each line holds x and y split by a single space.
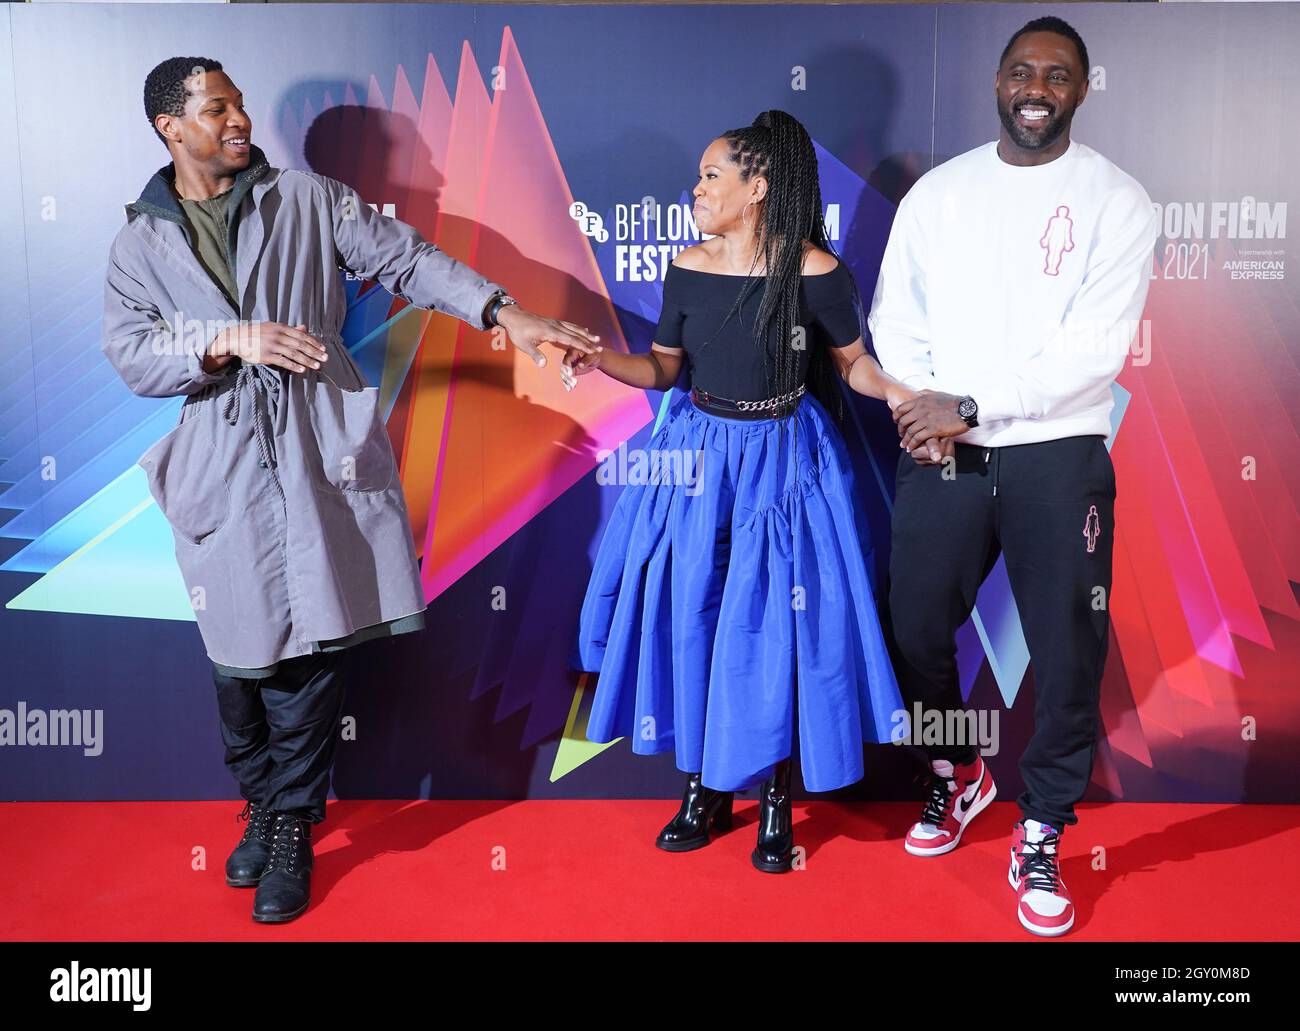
588 869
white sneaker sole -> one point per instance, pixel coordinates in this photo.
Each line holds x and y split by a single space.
974 811
1042 932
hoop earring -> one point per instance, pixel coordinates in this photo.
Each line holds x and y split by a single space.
742 216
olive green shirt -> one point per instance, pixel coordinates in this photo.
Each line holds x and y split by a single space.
208 220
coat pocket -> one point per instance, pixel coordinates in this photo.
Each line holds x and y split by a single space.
352 438
185 481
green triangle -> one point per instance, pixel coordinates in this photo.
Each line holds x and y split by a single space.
574 748
127 569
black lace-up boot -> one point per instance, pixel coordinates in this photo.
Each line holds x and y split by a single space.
775 848
701 808
285 888
248 860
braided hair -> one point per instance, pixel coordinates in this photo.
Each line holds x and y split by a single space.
778 147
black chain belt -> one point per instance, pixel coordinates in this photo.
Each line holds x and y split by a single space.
769 408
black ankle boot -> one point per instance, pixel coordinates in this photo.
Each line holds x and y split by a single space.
701 808
248 860
285 888
775 833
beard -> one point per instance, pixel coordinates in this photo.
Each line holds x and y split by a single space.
1036 137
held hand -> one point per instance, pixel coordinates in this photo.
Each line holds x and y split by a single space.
270 343
577 363
528 331
934 451
896 394
932 413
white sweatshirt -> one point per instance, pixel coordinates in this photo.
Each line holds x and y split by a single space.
1020 286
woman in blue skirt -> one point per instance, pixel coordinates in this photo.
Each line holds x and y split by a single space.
730 599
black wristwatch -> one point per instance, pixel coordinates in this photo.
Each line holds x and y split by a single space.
499 300
967 410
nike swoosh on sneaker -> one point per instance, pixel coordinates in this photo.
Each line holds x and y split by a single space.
961 811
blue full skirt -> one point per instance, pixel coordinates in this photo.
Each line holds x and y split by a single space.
711 601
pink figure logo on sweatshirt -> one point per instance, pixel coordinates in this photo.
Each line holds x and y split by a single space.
1058 239
1092 528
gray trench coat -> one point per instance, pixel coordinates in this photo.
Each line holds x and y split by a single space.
281 488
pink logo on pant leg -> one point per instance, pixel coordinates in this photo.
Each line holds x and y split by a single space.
1092 528
1058 239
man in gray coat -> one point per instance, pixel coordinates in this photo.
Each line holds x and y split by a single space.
279 481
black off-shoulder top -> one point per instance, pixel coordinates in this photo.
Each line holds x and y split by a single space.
724 360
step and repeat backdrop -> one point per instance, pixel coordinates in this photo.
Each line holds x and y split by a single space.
554 149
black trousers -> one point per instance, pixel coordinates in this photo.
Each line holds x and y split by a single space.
1049 509
281 731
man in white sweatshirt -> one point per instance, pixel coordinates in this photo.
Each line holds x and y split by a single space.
1010 291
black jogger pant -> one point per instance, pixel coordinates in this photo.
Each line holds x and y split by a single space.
281 731
1049 509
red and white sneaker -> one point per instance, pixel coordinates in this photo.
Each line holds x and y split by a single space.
1042 901
957 795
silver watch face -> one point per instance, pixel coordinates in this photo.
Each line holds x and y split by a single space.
966 408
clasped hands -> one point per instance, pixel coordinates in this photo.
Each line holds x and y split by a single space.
927 422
